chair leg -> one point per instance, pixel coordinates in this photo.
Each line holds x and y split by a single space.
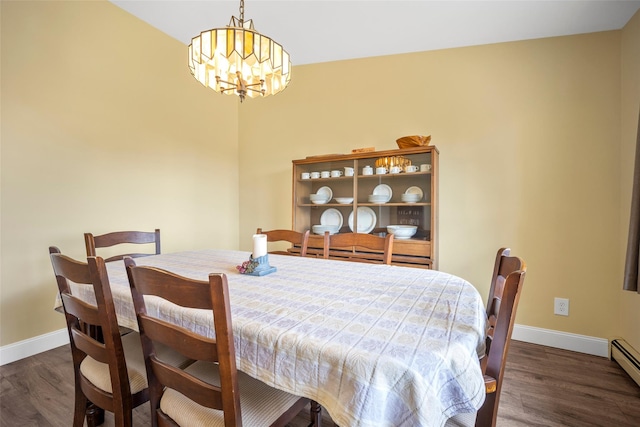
316 414
487 414
80 408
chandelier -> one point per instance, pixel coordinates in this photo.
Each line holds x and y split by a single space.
238 59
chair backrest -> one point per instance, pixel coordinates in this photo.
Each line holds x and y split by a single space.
122 237
501 322
212 295
354 241
291 236
504 265
93 331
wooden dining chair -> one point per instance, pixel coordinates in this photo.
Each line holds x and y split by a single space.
211 391
498 339
367 241
502 316
291 236
120 238
109 369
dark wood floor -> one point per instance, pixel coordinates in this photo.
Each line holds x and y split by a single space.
543 387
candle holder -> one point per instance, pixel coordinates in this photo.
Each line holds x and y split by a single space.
256 266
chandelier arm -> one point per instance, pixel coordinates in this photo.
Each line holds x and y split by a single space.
255 90
219 80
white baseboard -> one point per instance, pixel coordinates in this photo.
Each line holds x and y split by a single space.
29 347
564 340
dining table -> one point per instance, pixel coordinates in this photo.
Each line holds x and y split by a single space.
375 345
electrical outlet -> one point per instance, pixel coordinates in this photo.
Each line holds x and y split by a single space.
561 306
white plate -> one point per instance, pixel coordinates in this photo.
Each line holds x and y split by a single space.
366 220
331 217
326 191
383 190
415 190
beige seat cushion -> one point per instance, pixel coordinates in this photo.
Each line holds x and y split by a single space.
98 373
462 420
260 404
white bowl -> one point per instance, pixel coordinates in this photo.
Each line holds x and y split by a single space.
378 198
402 231
344 200
320 229
410 198
318 199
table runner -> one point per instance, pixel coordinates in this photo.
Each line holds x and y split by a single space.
376 345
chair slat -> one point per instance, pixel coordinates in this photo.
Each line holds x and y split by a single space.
192 345
80 309
173 288
120 238
90 346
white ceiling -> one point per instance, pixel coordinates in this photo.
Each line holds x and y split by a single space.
315 31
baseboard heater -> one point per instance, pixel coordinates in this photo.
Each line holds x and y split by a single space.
626 357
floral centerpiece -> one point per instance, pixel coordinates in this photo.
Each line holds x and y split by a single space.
247 266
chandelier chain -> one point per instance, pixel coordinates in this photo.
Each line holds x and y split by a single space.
241 12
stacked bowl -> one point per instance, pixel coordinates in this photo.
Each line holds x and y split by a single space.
410 198
322 196
378 198
320 229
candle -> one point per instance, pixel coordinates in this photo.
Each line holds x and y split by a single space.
259 245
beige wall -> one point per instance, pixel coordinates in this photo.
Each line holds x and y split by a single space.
529 135
103 129
629 306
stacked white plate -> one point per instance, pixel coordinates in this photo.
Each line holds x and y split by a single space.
381 194
375 198
320 229
412 195
330 220
322 196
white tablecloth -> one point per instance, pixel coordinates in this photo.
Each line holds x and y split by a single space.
375 345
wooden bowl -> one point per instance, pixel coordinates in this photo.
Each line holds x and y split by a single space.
413 141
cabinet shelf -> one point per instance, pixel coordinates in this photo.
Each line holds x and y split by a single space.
361 176
335 178
342 205
419 251
393 175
